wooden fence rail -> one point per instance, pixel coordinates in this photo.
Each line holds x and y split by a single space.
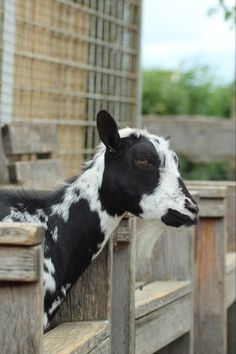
143 294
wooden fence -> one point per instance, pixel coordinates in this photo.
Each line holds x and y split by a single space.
202 139
143 294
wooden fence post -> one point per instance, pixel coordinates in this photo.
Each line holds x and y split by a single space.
21 288
123 287
209 277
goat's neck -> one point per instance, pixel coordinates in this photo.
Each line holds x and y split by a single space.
82 222
86 187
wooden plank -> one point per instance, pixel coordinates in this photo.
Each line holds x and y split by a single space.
123 285
37 173
4 174
29 139
204 132
230 209
158 294
75 337
19 263
230 278
214 208
176 347
21 234
21 309
102 348
209 287
209 191
93 287
163 326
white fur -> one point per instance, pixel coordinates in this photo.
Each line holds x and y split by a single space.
49 281
87 186
55 234
38 218
167 194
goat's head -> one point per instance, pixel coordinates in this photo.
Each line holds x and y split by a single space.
141 175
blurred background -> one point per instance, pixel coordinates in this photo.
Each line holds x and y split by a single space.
165 65
188 73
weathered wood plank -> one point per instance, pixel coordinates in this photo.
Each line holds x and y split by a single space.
89 299
19 263
21 234
158 294
123 287
176 347
214 208
75 337
230 278
4 174
230 208
29 139
36 173
21 309
209 287
163 326
202 131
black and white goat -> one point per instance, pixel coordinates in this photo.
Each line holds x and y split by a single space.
132 171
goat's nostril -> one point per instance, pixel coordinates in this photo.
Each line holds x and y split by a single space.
191 206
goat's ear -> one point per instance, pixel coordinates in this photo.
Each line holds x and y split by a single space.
108 131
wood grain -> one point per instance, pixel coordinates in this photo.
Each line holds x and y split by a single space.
163 326
230 207
75 337
209 287
19 263
158 294
21 308
204 132
29 139
89 299
36 173
123 287
21 234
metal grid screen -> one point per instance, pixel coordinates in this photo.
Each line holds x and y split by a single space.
64 60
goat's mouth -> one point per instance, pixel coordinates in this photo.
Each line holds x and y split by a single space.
176 219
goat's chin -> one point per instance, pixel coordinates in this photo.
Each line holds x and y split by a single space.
176 219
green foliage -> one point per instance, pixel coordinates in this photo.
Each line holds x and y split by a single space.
229 12
214 171
190 92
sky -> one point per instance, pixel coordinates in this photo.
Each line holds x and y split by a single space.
179 32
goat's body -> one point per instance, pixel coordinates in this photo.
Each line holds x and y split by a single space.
76 228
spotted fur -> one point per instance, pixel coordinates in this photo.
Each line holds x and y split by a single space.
132 171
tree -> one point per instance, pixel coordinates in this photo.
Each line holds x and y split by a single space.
229 12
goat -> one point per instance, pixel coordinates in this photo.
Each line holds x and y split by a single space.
132 171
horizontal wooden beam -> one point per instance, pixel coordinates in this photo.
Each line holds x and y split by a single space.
75 337
19 234
21 264
201 139
36 173
158 294
163 326
29 139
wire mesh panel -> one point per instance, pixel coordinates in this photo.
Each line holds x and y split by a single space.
72 58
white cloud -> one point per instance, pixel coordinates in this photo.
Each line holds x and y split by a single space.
180 30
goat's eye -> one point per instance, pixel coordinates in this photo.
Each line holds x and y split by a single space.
142 163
